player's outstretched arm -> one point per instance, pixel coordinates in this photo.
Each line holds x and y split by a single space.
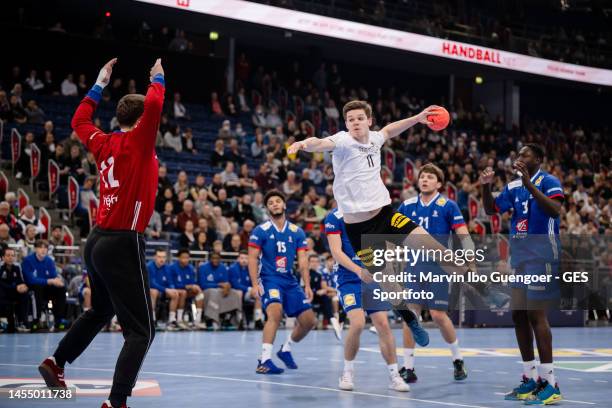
397 128
486 178
146 132
312 145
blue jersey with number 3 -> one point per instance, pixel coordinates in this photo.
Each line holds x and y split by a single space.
278 248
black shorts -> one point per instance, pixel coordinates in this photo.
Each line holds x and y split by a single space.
386 222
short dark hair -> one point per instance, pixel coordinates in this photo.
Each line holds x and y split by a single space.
56 227
433 169
537 150
129 109
8 248
158 250
313 256
182 251
215 255
41 243
354 105
274 193
243 252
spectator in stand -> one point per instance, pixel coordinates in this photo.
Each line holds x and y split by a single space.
184 278
243 210
82 86
259 117
258 146
204 224
179 42
33 82
215 105
242 101
23 164
273 119
8 218
163 181
219 295
187 238
222 225
5 236
13 289
224 204
201 243
239 132
217 157
217 247
331 111
68 87
26 244
182 182
41 276
235 155
50 86
179 110
56 238
162 285
17 113
215 186
5 107
154 228
199 185
172 138
292 187
230 106
35 115
225 132
17 92
245 234
89 165
188 142
228 175
227 240
167 194
188 214
168 218
75 164
28 217
239 280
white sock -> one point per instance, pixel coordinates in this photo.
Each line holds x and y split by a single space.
349 366
393 372
337 316
547 372
86 309
266 352
198 316
179 314
288 343
409 358
454 348
154 319
172 317
529 369
258 314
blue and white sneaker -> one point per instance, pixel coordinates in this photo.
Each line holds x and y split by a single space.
419 334
268 367
523 391
546 395
287 358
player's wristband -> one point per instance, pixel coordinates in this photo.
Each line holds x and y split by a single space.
95 93
159 78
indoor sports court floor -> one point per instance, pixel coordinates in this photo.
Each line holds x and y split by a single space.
218 369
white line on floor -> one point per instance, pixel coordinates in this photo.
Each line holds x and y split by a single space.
428 366
502 372
574 379
601 381
310 387
312 358
477 371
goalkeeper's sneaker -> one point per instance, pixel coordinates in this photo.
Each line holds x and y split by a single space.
545 395
524 390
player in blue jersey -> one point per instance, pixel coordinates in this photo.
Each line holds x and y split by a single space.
273 249
351 275
439 216
535 200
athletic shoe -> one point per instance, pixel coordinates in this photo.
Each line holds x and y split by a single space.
337 328
183 326
460 371
268 367
373 330
287 358
346 381
524 390
397 384
408 375
52 374
173 327
419 334
200 326
21 328
545 395
107 404
259 324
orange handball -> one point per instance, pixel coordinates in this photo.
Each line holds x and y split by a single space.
440 121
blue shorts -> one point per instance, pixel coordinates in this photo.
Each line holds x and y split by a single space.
354 295
440 290
539 290
288 293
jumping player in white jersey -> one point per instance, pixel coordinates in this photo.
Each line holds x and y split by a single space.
361 194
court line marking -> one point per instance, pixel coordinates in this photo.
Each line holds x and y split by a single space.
574 379
591 353
574 401
601 381
502 372
310 387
